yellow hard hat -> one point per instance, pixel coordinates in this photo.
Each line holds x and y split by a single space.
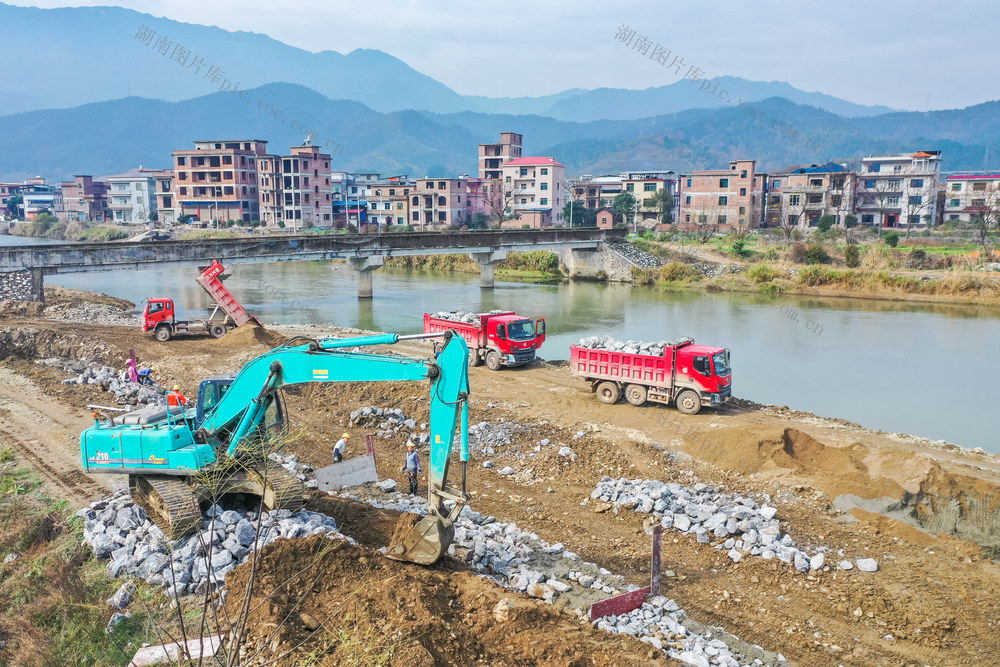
154 369
346 435
177 387
410 445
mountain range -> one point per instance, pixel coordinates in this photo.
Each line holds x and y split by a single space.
76 118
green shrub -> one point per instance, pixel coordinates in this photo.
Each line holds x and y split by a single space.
824 223
816 254
677 271
762 274
541 261
891 239
850 221
852 256
739 247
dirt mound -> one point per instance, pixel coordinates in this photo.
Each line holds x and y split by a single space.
345 605
788 452
55 295
251 334
21 308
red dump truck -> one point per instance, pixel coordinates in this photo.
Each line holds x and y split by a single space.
687 375
159 314
498 338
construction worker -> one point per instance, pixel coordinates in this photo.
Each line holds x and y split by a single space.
411 467
175 397
338 449
133 375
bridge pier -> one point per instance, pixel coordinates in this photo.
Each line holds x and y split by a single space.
364 267
25 285
487 265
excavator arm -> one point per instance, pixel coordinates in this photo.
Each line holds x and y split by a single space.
241 410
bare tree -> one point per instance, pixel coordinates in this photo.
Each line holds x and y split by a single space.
881 195
846 184
501 197
792 214
916 205
985 212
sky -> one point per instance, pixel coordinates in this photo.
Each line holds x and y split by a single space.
915 55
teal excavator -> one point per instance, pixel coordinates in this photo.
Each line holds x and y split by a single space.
179 456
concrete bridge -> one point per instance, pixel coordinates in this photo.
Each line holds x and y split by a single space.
22 268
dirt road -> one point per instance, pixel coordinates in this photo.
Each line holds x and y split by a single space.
933 601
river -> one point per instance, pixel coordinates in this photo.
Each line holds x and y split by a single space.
902 367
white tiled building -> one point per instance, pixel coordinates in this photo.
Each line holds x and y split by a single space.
967 195
899 190
132 196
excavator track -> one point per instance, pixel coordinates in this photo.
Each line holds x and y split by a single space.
283 490
169 502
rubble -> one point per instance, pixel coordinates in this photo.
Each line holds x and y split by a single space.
93 313
608 343
748 529
119 531
115 382
634 255
462 316
390 422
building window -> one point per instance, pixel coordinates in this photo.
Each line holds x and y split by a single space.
544 201
723 182
978 187
723 200
722 219
814 199
775 200
979 203
689 182
916 182
953 203
874 168
181 161
953 216
687 199
523 171
743 192
743 210
523 200
870 183
545 186
687 218
545 171
892 201
793 200
914 219
816 182
916 199
442 185
956 187
776 183
649 187
442 201
629 187
868 218
895 184
896 168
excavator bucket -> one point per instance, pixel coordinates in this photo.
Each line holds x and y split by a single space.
426 542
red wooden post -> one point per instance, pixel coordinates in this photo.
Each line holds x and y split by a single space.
654 583
370 445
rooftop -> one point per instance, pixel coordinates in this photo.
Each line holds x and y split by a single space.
526 161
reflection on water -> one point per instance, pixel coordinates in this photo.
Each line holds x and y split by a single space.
915 368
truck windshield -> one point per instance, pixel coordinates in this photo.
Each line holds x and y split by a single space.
523 330
721 362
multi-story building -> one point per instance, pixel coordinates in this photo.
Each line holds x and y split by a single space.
801 196
644 186
479 193
585 191
132 196
728 198
8 190
166 200
899 189
437 202
218 179
389 201
493 156
84 199
38 196
534 189
971 196
296 189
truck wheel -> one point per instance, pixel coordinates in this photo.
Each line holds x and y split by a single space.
162 333
635 394
688 402
608 392
218 330
493 360
474 358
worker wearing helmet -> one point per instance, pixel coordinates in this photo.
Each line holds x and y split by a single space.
338 449
133 375
412 466
175 397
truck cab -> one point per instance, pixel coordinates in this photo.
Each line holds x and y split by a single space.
707 369
514 337
157 311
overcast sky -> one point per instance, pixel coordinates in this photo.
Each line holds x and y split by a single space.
907 54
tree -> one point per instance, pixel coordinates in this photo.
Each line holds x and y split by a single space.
479 221
663 204
624 204
825 223
500 197
915 207
792 215
880 195
14 205
846 183
578 214
986 213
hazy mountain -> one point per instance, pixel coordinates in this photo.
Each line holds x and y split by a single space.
70 56
109 137
623 104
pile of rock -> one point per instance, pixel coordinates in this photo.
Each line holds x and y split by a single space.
116 382
658 622
390 422
93 313
628 346
486 438
736 522
634 255
120 531
462 316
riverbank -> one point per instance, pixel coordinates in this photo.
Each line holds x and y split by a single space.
535 266
550 443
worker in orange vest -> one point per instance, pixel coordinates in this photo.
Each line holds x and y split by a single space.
175 397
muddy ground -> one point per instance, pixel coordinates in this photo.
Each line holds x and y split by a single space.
927 513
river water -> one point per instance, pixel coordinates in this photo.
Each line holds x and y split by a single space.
920 369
